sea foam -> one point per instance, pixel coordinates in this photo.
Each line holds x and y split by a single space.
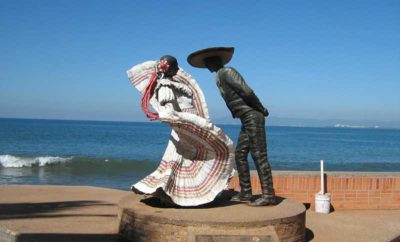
15 161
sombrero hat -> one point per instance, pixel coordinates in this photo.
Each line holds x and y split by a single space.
196 59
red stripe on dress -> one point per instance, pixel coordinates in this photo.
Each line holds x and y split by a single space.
176 189
140 78
220 159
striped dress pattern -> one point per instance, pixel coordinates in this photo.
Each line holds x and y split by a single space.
198 161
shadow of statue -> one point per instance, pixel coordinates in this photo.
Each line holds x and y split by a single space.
67 237
222 200
47 209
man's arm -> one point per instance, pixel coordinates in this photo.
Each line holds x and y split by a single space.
239 85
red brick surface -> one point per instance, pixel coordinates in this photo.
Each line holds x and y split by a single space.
348 190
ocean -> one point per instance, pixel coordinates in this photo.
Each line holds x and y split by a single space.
118 154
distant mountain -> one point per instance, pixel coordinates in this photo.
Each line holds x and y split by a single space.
305 122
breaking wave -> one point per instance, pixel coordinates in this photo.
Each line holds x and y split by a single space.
16 161
76 164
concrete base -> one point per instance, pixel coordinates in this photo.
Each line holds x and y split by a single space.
144 219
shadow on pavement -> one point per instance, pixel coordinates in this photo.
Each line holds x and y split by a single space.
46 209
309 235
223 200
68 238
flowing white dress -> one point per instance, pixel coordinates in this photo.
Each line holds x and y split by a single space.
198 161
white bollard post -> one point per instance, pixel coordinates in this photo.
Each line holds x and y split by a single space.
322 178
322 199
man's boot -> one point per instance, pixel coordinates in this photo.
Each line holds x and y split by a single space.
264 173
265 200
245 193
242 196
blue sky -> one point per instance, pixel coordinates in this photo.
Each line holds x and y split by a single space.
67 59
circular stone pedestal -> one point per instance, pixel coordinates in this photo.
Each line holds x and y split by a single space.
143 219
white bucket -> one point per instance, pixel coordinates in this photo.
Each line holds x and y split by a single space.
322 202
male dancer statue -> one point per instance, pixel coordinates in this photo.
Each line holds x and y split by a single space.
243 104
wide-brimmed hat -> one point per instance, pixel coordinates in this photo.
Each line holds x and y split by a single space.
196 59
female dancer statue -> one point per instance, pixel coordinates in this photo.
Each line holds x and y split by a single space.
198 161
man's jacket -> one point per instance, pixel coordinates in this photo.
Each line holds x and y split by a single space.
238 96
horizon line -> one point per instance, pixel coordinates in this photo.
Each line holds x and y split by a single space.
148 121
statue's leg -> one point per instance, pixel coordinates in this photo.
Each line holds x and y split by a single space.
255 130
242 165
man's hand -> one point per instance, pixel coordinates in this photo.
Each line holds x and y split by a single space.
265 112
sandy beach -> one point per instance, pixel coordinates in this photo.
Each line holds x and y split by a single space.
82 213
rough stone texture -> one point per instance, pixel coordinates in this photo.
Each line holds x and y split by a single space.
145 220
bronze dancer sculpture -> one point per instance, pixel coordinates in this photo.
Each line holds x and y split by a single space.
243 104
198 161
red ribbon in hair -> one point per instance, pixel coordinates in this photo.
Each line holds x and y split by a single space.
146 97
162 67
